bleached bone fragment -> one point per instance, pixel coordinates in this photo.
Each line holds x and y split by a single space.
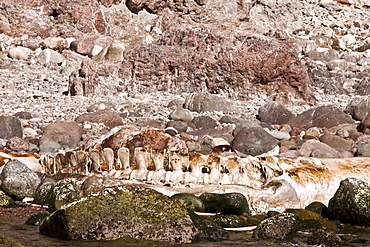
196 162
232 165
124 159
109 158
142 161
214 163
95 158
159 173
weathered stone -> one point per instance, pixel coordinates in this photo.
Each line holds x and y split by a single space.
314 148
181 114
274 113
120 138
358 107
18 181
137 212
339 64
321 236
322 116
86 43
350 203
253 141
363 150
65 133
276 227
190 201
201 102
19 52
17 144
50 56
317 207
336 142
180 126
364 126
228 203
247 124
204 122
10 126
55 43
307 214
107 117
230 220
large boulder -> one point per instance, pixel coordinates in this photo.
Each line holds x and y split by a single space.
322 117
350 203
108 117
200 102
10 126
253 141
227 203
123 211
274 113
18 181
359 107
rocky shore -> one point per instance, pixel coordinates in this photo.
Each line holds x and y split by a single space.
188 118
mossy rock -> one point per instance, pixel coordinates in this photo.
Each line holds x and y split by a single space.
230 220
209 230
228 203
6 201
324 238
276 227
64 192
190 201
43 193
36 219
309 225
307 214
8 242
123 211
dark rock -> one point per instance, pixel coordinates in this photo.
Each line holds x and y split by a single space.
253 141
350 203
276 227
180 126
306 214
10 126
17 144
123 211
317 207
190 201
322 237
36 219
230 220
322 116
229 203
64 133
229 119
107 117
209 230
358 107
201 102
309 225
274 113
23 115
18 181
336 142
204 122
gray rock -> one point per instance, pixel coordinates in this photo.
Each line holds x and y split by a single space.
336 142
253 141
325 238
280 135
181 114
64 133
200 102
49 147
314 148
274 113
350 203
204 122
339 64
18 181
123 211
358 107
247 124
10 126
276 227
50 56
363 150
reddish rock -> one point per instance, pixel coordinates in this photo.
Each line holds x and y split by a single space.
321 117
86 43
17 144
65 133
274 113
107 117
336 142
204 122
120 138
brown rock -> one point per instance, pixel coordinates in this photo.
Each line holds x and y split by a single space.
274 113
322 116
10 126
336 142
204 122
17 144
314 148
120 138
82 81
107 117
65 133
86 43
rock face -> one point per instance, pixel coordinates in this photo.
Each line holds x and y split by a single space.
18 181
253 141
350 203
116 212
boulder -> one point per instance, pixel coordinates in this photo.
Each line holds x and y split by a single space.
274 113
108 117
204 122
190 201
253 141
64 133
85 44
321 117
228 203
50 56
314 148
202 102
123 211
17 144
276 227
10 126
19 52
5 200
18 181
322 237
181 114
336 142
350 203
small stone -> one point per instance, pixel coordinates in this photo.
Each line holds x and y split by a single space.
17 144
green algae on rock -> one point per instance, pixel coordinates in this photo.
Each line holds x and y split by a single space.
123 211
